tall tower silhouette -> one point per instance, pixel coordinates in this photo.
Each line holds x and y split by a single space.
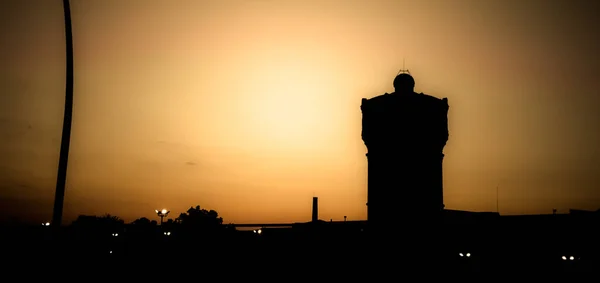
405 134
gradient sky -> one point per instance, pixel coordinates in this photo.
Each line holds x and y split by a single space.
252 108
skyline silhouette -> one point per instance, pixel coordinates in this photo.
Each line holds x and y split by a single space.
252 108
469 242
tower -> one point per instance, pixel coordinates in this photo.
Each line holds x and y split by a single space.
405 134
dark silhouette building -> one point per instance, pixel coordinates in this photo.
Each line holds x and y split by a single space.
405 134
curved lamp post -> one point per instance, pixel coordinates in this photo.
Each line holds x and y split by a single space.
61 180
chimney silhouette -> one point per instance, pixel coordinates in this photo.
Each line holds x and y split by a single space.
315 209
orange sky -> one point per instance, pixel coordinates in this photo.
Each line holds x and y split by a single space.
252 108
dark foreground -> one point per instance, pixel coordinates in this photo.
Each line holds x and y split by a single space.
262 254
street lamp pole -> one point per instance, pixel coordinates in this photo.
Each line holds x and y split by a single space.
63 159
162 214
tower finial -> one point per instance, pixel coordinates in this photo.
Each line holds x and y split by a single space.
403 70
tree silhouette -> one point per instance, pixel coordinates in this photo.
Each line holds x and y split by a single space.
199 219
98 222
111 219
143 222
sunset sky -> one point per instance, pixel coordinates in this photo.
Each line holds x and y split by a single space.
252 107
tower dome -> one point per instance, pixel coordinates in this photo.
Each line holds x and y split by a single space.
404 81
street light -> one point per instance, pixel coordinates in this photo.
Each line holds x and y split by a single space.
162 214
63 158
